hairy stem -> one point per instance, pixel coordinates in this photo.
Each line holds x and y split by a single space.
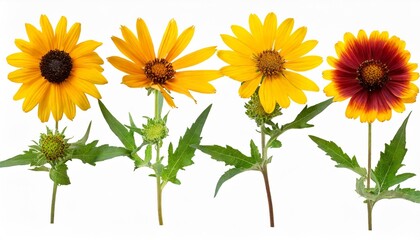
265 175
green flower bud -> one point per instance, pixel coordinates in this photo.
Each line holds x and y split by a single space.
255 110
53 146
154 131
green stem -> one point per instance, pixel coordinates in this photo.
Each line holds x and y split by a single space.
264 171
369 202
54 194
159 186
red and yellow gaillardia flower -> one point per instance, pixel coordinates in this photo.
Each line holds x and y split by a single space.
160 71
374 73
269 57
55 71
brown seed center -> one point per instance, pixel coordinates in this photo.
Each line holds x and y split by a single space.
270 63
159 70
372 74
56 66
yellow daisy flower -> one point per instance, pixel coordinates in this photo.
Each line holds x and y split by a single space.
160 71
267 58
55 71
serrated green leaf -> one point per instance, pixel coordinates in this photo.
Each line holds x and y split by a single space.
59 174
228 155
83 140
337 155
391 160
226 176
23 159
409 194
183 154
92 154
125 136
301 120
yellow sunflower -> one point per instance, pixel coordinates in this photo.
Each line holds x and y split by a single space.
145 69
55 71
267 58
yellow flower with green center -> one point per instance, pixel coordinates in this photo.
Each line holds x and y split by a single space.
55 71
269 57
161 71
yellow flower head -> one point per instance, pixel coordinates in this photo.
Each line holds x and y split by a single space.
55 71
267 57
161 71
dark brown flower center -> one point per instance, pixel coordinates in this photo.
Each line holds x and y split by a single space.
372 74
159 71
270 63
56 66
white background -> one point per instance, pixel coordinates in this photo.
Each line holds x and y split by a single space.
312 199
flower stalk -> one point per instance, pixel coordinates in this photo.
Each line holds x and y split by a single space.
369 202
159 187
54 194
265 175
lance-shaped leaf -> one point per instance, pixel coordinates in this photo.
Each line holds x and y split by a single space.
126 137
301 120
226 176
184 153
23 159
59 174
409 194
336 153
391 161
92 154
231 156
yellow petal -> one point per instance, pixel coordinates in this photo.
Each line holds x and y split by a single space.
270 30
176 87
76 96
266 95
35 37
166 96
301 50
60 33
303 63
237 45
233 58
256 28
125 65
245 37
23 60
24 75
91 60
248 88
55 102
197 80
44 109
128 51
85 86
331 91
72 37
281 95
136 81
35 94
84 48
328 74
294 93
241 73
47 31
69 106
91 75
293 41
168 39
194 58
28 48
283 33
134 45
300 82
146 44
180 44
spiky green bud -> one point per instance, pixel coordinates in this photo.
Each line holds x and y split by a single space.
53 146
256 111
154 131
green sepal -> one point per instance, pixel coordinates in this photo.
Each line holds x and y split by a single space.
275 144
40 160
336 153
391 161
226 176
183 154
40 169
126 137
22 159
59 174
